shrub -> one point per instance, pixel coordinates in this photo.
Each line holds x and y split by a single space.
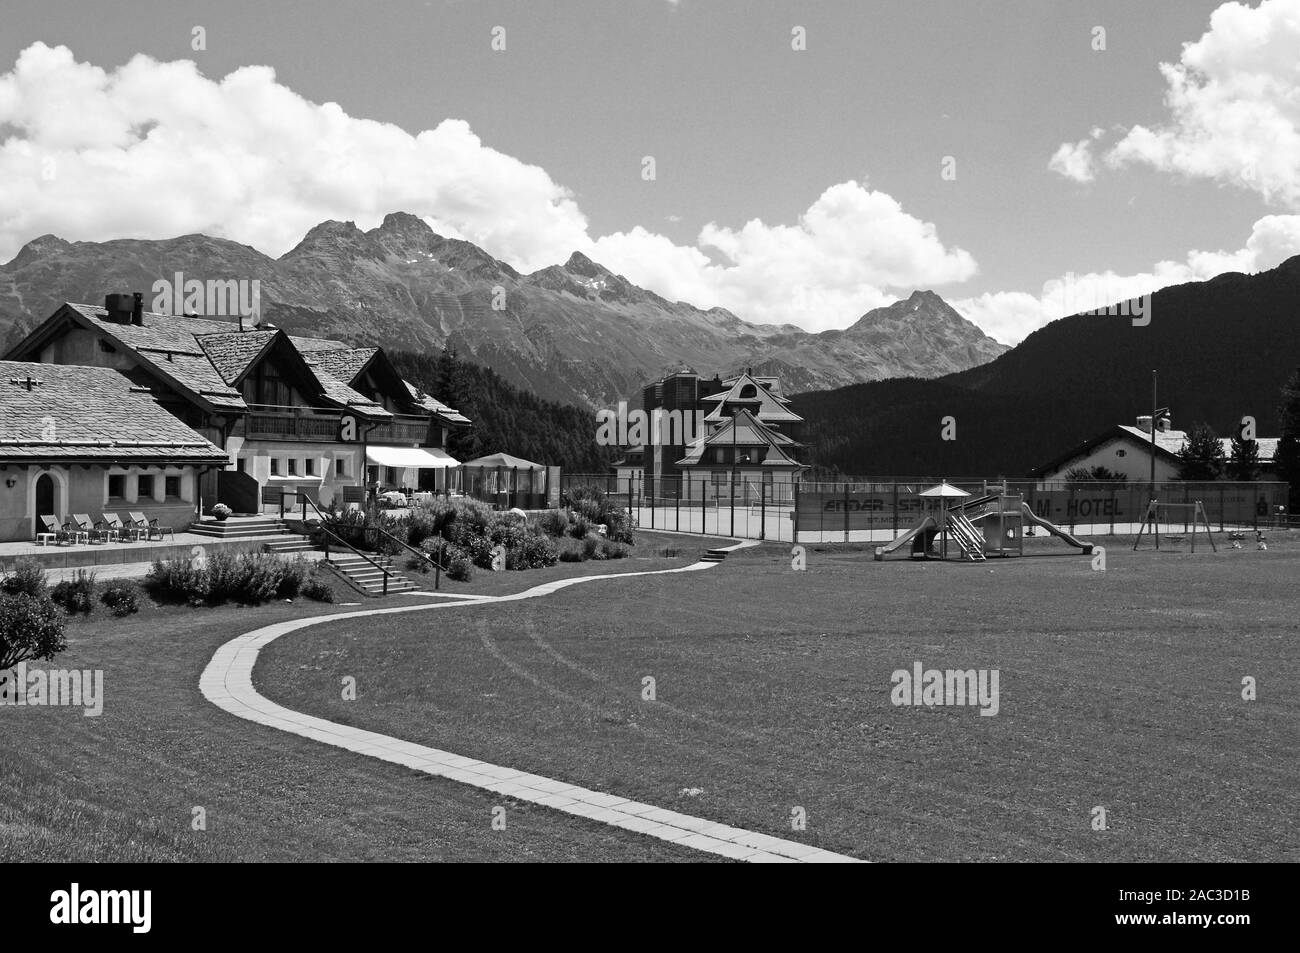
553 522
317 589
296 571
509 533
120 597
177 579
31 627
246 577
581 527
478 549
76 594
457 563
612 549
591 548
461 569
221 511
533 553
28 578
571 551
591 503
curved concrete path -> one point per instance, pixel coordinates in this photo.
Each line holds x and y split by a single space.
227 682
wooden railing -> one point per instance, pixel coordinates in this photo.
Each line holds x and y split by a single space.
321 424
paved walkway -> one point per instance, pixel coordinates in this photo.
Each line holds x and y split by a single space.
228 683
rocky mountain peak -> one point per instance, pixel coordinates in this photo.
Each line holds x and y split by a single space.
39 247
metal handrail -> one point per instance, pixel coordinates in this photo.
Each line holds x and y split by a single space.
438 568
324 527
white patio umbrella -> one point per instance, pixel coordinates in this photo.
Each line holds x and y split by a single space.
944 490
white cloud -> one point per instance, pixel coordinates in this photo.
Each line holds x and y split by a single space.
156 150
1074 161
845 255
1011 316
1233 100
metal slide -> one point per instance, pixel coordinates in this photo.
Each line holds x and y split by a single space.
1055 530
928 523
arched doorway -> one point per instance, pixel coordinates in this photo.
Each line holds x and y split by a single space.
45 495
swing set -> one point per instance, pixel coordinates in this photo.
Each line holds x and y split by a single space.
1198 519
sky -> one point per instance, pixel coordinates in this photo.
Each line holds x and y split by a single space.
793 162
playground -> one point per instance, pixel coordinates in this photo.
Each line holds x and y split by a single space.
878 512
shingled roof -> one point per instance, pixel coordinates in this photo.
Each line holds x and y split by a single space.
749 432
59 412
435 406
207 359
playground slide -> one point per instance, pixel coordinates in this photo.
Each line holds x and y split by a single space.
928 523
1052 528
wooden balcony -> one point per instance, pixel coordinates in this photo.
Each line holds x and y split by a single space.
321 425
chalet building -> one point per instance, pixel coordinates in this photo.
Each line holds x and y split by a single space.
94 440
290 413
1126 450
747 451
737 431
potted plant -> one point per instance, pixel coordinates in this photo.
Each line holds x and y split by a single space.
222 512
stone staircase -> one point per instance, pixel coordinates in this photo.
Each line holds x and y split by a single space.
242 526
365 577
277 535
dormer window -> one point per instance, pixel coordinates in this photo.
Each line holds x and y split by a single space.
106 348
748 391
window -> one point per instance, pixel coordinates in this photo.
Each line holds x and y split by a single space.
340 467
1121 453
116 486
144 486
172 487
392 475
275 466
241 464
309 467
293 467
265 386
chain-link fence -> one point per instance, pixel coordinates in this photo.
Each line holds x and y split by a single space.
878 510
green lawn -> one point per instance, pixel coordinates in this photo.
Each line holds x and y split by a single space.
121 787
1119 690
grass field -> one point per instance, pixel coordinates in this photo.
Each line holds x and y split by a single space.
772 692
122 786
1120 690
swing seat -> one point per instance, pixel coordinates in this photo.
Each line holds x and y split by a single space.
1175 539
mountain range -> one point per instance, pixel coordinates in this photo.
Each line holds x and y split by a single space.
575 333
1222 350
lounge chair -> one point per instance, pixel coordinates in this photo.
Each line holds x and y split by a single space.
150 526
88 526
73 529
51 532
123 531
